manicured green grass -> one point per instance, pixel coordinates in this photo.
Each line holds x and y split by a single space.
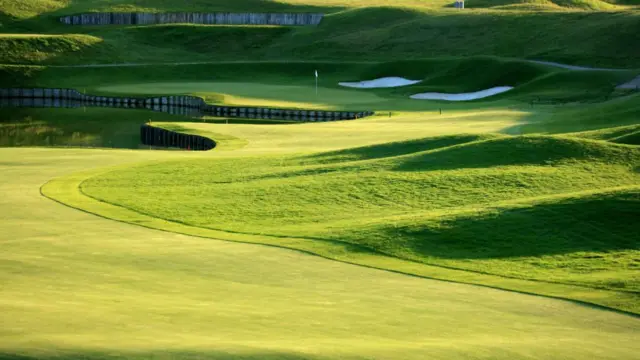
252 94
109 290
579 117
292 85
435 190
293 82
431 201
623 134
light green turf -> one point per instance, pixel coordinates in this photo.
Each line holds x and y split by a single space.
429 200
451 196
530 177
252 94
113 290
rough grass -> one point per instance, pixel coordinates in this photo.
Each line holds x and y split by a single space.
378 30
29 8
27 49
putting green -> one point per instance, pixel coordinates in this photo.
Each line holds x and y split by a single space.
255 94
80 285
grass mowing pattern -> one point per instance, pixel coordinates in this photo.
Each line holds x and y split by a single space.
432 201
147 294
109 290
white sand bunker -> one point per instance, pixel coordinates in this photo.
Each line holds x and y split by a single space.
385 82
464 96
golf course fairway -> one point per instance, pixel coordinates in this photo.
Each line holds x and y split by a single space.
388 180
80 286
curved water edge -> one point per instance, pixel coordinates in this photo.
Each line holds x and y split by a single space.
155 136
192 106
385 82
463 96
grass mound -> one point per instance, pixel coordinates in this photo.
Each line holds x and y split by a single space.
622 111
136 288
359 195
622 134
363 31
557 240
395 148
28 49
516 151
542 4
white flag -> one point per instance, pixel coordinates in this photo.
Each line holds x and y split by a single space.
316 73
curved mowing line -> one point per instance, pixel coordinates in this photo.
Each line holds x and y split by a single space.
66 191
359 248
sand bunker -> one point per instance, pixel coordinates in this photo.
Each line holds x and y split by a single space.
464 96
386 82
631 85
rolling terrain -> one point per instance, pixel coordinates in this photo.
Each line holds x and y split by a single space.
499 228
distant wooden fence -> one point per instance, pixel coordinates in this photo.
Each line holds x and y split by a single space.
154 136
178 105
282 19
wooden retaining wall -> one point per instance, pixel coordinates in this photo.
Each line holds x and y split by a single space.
154 136
178 105
282 19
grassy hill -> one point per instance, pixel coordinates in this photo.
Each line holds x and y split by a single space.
535 191
362 30
78 286
433 200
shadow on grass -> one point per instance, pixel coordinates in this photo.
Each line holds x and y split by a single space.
90 127
515 151
593 224
391 33
392 149
584 116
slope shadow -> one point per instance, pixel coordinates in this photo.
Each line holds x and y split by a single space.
593 224
92 127
519 150
392 149
586 114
